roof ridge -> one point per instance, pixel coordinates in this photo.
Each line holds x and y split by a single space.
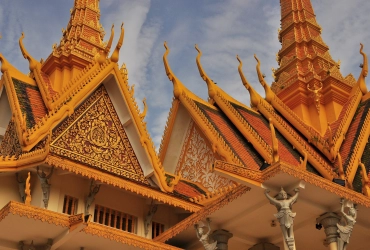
301 145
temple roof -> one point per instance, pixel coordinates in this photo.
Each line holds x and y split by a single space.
272 131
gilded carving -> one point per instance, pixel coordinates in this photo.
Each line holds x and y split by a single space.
95 136
196 159
10 144
35 213
130 186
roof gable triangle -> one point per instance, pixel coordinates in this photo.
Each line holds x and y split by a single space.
94 135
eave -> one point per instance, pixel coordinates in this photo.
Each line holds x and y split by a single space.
130 186
202 213
244 175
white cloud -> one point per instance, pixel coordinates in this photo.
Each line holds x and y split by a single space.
221 31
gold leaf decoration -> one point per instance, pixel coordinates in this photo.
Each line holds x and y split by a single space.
94 135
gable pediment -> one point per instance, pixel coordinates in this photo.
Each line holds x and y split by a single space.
93 135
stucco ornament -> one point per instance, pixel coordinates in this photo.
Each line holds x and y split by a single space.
345 226
285 215
45 185
204 237
94 189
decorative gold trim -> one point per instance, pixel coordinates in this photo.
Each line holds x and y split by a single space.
25 160
168 129
282 167
187 98
35 213
203 213
125 237
145 191
358 149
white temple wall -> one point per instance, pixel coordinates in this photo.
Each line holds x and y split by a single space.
9 189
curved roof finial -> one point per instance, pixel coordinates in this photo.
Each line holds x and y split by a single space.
268 91
32 62
365 70
103 56
203 74
4 63
177 85
275 143
255 98
109 44
115 55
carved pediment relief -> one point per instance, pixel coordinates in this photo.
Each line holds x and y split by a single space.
196 159
94 135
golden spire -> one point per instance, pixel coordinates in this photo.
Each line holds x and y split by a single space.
177 85
115 54
255 98
33 63
361 83
203 74
268 91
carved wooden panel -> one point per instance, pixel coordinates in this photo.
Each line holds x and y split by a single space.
196 159
94 135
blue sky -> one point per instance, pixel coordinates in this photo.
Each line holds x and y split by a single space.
221 29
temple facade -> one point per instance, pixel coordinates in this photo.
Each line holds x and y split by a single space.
79 170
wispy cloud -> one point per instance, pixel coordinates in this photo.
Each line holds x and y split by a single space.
221 30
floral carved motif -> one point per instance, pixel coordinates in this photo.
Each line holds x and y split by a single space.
10 144
94 135
196 160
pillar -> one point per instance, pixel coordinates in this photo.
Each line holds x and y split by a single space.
264 246
329 222
222 237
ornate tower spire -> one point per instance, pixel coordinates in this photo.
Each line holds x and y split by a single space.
84 33
81 41
308 80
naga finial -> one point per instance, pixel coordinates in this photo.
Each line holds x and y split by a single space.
177 85
143 114
27 190
32 62
4 63
361 83
268 91
115 54
340 166
255 98
109 44
103 56
275 143
203 74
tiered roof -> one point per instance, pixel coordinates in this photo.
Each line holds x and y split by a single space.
282 127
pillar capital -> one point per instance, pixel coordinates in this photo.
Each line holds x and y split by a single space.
329 222
222 237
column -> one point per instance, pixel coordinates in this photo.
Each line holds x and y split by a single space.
329 222
222 237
